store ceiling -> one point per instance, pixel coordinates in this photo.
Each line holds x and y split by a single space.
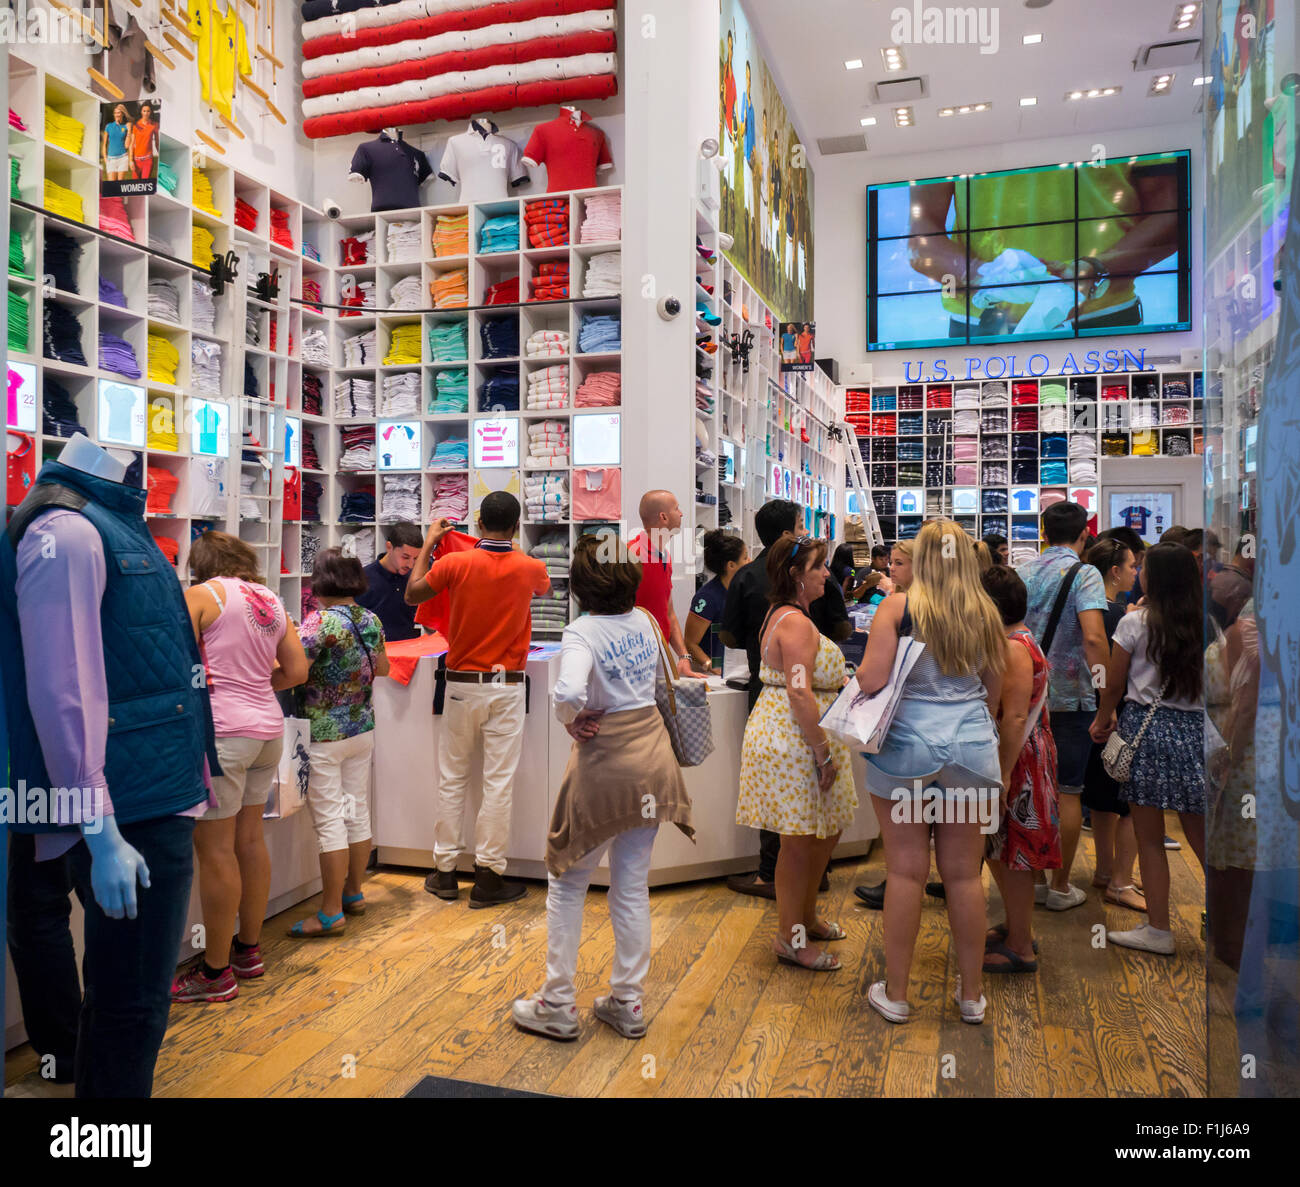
1086 44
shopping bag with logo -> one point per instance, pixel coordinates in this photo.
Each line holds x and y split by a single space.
289 792
684 706
860 721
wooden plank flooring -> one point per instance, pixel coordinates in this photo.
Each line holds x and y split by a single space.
420 987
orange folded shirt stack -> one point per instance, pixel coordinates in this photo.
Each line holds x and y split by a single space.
451 290
451 235
547 222
162 486
551 282
168 547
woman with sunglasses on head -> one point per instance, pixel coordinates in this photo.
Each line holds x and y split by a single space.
794 780
1112 826
942 747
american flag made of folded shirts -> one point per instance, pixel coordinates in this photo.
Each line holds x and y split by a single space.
368 64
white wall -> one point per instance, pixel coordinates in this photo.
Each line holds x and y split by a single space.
841 223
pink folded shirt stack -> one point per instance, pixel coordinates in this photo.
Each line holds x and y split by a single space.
601 389
603 218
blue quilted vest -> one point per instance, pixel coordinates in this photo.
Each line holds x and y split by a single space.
159 716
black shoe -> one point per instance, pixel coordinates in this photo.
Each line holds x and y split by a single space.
825 884
872 896
491 890
443 884
935 890
749 884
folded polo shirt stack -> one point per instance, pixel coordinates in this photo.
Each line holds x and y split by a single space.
311 493
400 395
1142 415
450 498
1051 392
500 393
451 452
163 301
993 502
201 252
205 368
17 256
1177 445
499 337
245 214
356 296
1053 418
404 242
546 497
407 293
252 327
911 451
499 234
451 235
547 221
110 294
280 232
63 201
63 131
600 333
994 393
451 391
940 396
363 543
400 499
311 394
167 177
547 344
1047 497
1053 473
602 218
548 387
316 347
449 341
548 445
202 193
311 293
504 292
450 290
553 551
964 397
604 275
1024 393
20 322
994 447
62 334
1176 414
62 255
551 281
203 313
1024 471
935 473
911 399
1024 445
994 420
163 360
250 382
361 350
357 249
1114 391
1024 420
310 458
994 474
15 172
358 506
357 448
550 611
1144 443
354 398
162 486
403 346
966 422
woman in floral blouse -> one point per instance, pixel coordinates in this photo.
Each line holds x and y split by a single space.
345 644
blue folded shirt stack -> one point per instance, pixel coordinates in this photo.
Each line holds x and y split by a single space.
115 354
600 332
500 393
499 234
500 337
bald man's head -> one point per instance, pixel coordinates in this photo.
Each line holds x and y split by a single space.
660 511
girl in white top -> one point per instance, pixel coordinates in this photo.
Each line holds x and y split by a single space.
621 783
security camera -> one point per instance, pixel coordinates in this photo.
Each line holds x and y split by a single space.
669 308
332 208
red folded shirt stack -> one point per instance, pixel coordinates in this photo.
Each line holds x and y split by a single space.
884 424
551 282
548 222
280 229
170 548
352 251
245 215
910 399
1024 393
113 219
939 397
162 486
1114 391
1024 420
504 292
601 389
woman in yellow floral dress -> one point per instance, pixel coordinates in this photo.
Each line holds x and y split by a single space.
794 779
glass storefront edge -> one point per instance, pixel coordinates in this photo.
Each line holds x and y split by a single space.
1252 470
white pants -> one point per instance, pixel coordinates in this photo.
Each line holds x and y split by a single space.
338 791
488 718
629 915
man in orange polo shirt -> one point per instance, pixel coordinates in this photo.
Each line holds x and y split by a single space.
491 588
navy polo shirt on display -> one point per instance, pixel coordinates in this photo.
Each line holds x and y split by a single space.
394 170
386 599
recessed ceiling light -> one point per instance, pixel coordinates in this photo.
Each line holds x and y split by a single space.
1076 94
893 58
868 121
1185 16
1029 101
945 111
903 117
1202 81
853 64
1031 39
1160 85
1093 93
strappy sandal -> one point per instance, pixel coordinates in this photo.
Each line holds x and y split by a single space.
354 904
825 962
833 932
1114 895
998 935
330 925
1015 962
1099 883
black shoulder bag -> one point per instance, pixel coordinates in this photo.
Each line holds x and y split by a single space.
1062 596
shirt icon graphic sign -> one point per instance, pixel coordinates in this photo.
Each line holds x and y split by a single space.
400 444
1024 499
210 428
496 443
911 502
1085 496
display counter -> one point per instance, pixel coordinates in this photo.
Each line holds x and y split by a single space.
406 785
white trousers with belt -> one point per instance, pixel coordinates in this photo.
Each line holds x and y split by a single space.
488 718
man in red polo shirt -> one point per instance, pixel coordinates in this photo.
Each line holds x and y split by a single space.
491 587
661 517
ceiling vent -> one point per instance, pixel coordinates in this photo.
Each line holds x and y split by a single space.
834 146
1166 55
900 90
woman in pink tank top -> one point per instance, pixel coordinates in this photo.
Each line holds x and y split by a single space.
251 649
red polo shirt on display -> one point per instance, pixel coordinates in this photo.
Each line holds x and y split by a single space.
572 153
655 592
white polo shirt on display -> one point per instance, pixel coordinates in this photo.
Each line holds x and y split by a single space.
485 167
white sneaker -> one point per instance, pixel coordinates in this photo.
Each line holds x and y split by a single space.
624 1017
879 1001
555 1022
1058 900
1040 893
1144 938
971 1012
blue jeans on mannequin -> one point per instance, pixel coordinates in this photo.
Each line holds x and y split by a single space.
130 963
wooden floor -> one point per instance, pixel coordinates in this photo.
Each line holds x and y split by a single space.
420 987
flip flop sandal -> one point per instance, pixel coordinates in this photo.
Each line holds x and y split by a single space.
330 925
825 962
1113 898
354 904
1015 963
1001 931
833 932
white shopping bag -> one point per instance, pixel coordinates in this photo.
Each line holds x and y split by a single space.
289 793
861 722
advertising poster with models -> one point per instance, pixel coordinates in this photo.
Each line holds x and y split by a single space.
767 181
798 343
129 147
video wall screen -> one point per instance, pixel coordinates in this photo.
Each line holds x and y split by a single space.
1076 250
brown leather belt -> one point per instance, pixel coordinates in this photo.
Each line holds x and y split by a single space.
485 677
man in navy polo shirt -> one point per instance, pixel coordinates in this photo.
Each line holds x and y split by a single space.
386 597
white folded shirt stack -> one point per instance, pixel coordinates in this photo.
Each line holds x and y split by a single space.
604 275
401 499
1052 418
407 293
316 347
360 350
248 507
203 313
548 387
547 344
966 397
362 545
350 288
403 242
1083 470
205 369
602 218
547 497
354 399
548 445
401 395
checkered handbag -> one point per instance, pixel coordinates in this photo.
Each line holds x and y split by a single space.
684 706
